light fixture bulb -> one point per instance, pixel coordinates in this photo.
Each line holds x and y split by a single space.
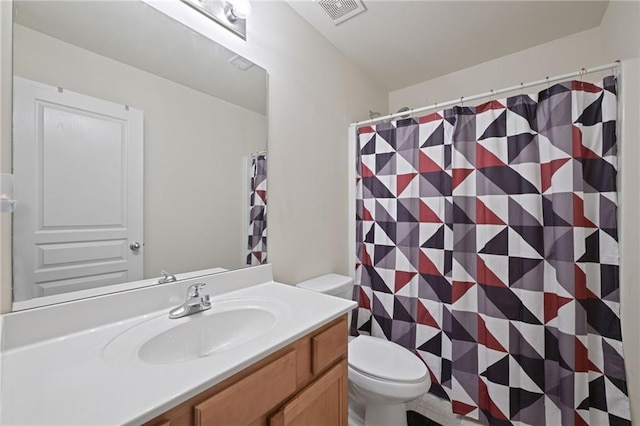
238 9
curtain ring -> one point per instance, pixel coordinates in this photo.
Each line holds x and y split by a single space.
583 71
491 95
521 87
548 84
462 101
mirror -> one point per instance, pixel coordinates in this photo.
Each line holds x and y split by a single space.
139 145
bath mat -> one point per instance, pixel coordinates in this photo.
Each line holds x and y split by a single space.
417 419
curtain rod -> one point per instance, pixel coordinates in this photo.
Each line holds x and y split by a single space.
490 93
255 154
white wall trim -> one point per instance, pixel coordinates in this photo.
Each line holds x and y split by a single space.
6 97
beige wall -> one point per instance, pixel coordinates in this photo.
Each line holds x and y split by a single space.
564 55
618 37
314 94
195 151
620 30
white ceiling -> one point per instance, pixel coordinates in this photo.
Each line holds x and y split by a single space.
138 35
401 43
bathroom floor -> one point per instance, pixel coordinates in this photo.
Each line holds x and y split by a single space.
431 410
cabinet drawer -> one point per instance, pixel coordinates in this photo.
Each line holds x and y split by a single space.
323 402
252 397
328 346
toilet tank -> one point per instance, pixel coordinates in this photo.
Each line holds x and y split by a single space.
331 284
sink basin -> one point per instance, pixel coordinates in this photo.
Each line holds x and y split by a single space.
227 325
207 335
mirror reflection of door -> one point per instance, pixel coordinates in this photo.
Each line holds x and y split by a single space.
204 115
78 164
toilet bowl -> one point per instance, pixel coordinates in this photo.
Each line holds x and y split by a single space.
383 376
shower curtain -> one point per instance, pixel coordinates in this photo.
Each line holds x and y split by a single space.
257 241
487 244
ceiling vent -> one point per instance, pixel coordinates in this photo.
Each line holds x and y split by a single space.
342 10
241 62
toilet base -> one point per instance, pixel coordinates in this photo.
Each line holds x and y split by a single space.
376 414
385 415
355 419
356 412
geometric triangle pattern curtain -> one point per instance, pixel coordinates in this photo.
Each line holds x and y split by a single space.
257 241
487 244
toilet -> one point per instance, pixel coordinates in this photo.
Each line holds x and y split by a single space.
383 376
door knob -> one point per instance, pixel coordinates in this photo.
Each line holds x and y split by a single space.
135 246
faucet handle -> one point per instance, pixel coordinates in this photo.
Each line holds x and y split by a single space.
166 278
194 290
206 300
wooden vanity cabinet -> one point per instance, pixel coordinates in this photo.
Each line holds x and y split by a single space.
323 402
304 383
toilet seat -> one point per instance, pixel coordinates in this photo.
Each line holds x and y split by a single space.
385 391
380 379
386 361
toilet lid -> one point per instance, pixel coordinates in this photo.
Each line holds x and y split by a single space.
385 360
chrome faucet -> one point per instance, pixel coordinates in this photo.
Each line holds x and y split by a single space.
166 278
195 303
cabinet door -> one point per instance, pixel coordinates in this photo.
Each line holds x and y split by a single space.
253 397
323 402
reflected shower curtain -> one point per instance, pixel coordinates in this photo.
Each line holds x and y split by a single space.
487 244
257 241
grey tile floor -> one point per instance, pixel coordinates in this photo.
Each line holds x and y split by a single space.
438 410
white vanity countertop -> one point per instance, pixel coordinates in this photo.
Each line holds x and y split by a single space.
67 381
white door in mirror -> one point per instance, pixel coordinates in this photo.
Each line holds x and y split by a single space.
79 177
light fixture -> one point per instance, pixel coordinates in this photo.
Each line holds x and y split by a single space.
237 9
231 14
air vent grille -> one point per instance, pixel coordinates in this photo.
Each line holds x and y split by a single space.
241 62
341 10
